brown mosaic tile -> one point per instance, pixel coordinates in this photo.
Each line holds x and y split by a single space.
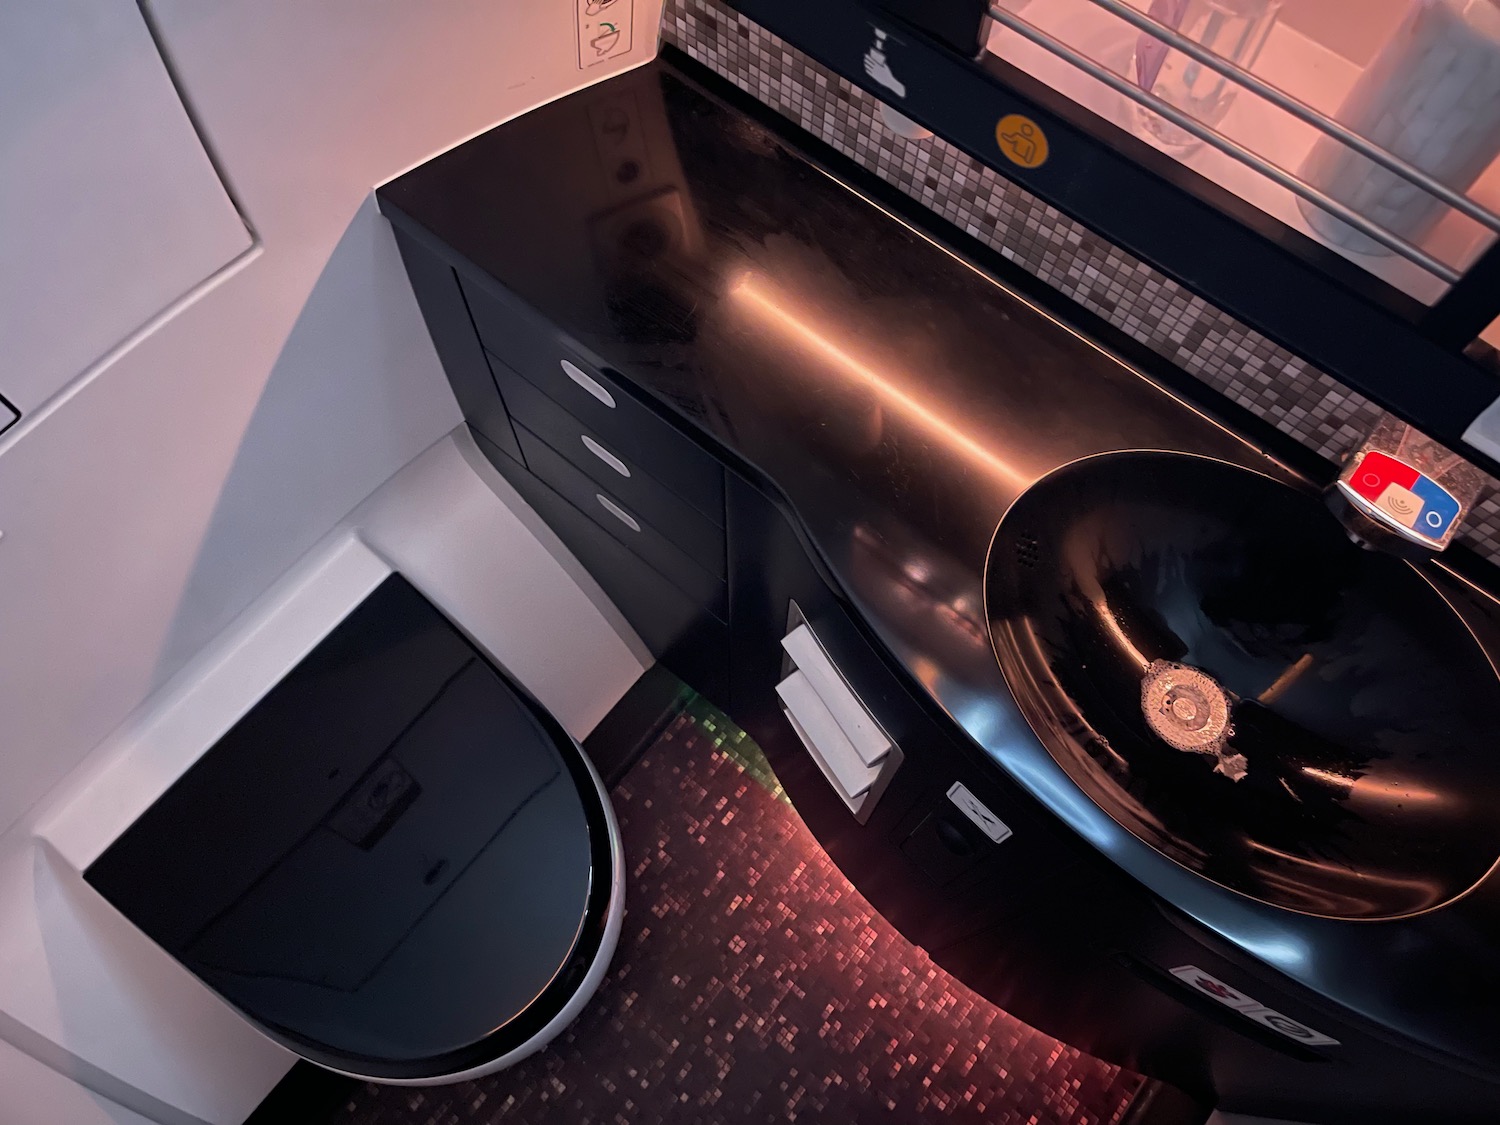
754 984
1207 342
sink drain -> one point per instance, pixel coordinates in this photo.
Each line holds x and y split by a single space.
1189 711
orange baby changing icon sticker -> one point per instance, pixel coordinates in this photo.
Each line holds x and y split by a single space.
1021 140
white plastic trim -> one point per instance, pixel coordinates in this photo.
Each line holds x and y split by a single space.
604 455
598 968
588 383
825 739
864 734
618 512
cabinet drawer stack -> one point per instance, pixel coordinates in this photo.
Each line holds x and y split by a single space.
632 497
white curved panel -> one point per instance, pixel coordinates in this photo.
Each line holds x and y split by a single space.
109 208
157 498
37 1095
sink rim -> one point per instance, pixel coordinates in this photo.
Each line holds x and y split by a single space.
1045 720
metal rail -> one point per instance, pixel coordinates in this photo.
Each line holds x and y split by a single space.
1303 112
1229 147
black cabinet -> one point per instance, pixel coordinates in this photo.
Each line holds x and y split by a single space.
641 508
1029 916
615 359
652 544
602 460
441 300
707 568
928 868
532 352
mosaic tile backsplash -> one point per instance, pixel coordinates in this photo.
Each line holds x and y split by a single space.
1204 340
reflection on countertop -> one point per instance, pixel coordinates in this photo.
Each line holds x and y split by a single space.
900 400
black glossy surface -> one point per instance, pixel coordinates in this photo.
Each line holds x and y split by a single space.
892 402
443 307
699 537
640 537
1363 705
885 857
635 490
392 862
535 353
1267 274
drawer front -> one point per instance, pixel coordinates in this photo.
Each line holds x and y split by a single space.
680 633
443 306
701 540
528 347
628 527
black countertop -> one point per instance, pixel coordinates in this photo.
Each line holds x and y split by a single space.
900 399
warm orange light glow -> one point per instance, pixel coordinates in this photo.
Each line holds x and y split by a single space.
1375 790
1286 679
1112 626
752 293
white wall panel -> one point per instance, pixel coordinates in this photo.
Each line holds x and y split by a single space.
87 991
143 509
35 1095
148 504
92 998
109 207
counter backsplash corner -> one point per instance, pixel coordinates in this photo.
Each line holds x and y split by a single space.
1207 342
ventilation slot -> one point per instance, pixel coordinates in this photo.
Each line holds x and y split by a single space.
1028 550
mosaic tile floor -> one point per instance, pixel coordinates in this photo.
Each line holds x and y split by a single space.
754 984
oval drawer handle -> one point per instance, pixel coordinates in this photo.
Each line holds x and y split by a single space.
588 383
605 455
618 512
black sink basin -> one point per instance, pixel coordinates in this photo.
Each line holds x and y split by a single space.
1207 655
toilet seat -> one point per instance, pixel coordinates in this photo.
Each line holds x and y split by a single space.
397 863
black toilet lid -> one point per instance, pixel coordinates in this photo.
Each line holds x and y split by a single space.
396 862
1140 601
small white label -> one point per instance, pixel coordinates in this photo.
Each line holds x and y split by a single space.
878 64
1251 1009
973 808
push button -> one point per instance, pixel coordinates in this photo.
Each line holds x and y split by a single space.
1403 495
1401 504
1439 508
1377 472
